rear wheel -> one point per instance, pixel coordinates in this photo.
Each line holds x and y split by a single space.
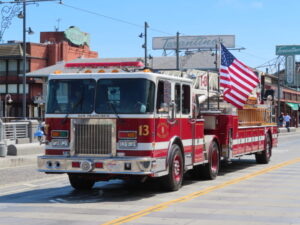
173 181
81 182
264 156
211 169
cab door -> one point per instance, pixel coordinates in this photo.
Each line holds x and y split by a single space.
166 127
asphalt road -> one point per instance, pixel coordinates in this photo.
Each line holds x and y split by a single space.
243 193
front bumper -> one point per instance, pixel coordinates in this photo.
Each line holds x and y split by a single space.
109 165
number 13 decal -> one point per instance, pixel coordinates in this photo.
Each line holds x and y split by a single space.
143 130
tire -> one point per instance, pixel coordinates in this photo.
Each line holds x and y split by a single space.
210 170
173 181
81 182
264 156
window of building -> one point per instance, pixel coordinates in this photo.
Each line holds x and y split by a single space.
12 88
21 66
2 67
21 88
2 88
13 67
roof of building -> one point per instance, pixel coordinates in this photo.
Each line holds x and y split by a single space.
8 50
200 60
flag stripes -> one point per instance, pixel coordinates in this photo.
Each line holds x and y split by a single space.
237 79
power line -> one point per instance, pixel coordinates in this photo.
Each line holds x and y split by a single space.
112 18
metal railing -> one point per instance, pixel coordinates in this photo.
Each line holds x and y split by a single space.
1 131
15 130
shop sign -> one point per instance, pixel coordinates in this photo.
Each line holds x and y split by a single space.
288 50
193 42
77 37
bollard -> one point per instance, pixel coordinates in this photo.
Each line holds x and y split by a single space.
3 149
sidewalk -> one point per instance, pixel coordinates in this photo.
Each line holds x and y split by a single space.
23 154
283 130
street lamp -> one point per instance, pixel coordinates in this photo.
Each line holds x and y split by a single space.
22 15
7 99
24 59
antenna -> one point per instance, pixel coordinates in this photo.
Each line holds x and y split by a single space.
57 27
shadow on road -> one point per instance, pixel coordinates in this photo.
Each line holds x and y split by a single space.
112 191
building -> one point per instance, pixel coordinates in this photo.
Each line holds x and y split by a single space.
289 98
53 48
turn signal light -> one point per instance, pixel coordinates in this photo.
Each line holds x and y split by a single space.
59 133
127 135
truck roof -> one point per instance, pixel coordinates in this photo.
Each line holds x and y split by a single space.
113 75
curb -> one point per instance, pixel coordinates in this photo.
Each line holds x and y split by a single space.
14 161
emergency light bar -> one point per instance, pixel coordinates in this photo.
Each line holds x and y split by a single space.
104 64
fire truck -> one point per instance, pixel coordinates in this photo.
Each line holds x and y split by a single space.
117 121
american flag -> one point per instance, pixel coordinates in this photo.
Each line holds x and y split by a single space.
237 79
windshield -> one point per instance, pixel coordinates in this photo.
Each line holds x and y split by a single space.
71 96
125 96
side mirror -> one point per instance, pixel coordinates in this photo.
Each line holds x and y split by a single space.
172 113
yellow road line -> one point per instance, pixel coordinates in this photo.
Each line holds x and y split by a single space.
196 194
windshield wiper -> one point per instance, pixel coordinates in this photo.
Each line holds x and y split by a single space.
114 109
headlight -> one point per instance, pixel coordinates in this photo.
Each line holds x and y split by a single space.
60 143
127 143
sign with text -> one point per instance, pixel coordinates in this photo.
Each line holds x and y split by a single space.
193 42
288 50
290 69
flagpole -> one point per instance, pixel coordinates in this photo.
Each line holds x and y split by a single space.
216 53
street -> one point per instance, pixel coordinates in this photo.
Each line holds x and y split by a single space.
243 193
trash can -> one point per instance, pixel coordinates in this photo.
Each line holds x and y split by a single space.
3 149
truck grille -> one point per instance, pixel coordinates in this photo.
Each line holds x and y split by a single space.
93 137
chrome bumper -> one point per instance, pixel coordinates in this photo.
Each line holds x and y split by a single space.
110 165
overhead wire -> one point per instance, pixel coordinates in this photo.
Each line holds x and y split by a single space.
112 18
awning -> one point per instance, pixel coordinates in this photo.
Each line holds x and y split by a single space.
294 106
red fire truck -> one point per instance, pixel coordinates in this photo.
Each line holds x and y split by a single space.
103 123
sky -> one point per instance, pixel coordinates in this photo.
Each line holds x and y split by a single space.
114 25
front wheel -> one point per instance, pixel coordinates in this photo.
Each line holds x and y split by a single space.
81 182
173 181
211 169
264 156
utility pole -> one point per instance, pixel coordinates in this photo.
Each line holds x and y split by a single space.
177 51
146 26
278 94
24 61
146 54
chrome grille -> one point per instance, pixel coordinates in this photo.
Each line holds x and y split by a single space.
93 136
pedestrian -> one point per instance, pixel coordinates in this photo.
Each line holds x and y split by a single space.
280 118
287 120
